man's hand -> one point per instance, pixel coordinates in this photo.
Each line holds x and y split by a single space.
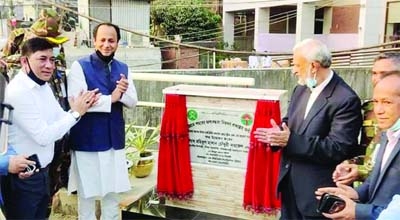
120 89
3 66
345 173
341 189
274 136
84 101
349 211
18 163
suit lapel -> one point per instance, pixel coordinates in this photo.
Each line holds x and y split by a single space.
300 107
392 155
378 163
320 102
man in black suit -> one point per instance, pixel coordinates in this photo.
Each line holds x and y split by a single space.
383 183
319 131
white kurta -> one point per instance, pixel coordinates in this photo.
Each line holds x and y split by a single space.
98 173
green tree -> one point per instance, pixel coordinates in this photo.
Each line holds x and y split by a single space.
191 19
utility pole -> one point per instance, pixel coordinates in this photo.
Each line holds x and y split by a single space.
1 21
36 9
11 11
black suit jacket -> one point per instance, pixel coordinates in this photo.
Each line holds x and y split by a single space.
326 137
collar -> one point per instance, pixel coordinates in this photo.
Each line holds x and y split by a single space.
393 134
30 83
100 59
324 83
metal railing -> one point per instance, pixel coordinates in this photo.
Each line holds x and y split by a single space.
363 56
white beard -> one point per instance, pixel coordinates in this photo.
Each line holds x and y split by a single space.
301 81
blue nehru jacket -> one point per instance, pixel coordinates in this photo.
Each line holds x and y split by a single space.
100 131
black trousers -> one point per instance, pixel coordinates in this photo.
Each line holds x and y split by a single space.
26 198
289 209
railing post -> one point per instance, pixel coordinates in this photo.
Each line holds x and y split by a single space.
214 59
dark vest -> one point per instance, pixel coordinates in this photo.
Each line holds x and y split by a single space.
100 131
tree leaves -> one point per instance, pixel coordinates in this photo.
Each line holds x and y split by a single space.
191 19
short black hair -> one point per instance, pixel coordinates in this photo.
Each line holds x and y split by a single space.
35 44
107 24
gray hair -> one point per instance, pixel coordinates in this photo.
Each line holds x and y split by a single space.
314 50
394 57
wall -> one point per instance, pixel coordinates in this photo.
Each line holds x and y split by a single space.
273 42
151 91
345 19
133 15
189 58
181 57
216 193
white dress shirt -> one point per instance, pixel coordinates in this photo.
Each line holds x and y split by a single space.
316 91
38 119
393 137
98 173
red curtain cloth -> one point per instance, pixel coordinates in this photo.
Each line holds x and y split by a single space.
174 178
260 193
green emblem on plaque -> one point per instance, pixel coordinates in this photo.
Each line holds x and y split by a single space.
192 115
246 119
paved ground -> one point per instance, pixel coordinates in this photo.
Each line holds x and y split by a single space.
64 206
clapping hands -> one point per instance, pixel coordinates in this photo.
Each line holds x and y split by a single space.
84 101
122 86
275 136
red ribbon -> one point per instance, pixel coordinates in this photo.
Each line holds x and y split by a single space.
260 190
174 178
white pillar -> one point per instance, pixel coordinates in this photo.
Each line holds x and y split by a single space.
305 21
371 22
84 22
228 21
327 20
261 24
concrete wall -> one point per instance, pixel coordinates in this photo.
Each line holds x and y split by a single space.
136 58
151 91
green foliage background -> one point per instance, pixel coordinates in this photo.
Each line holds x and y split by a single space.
191 19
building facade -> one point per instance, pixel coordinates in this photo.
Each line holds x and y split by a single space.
392 28
275 26
129 14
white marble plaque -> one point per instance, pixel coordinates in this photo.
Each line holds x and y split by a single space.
219 137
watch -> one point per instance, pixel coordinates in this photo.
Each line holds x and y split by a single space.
75 114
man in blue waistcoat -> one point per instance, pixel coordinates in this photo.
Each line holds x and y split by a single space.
98 164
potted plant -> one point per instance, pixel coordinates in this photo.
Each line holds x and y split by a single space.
137 140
